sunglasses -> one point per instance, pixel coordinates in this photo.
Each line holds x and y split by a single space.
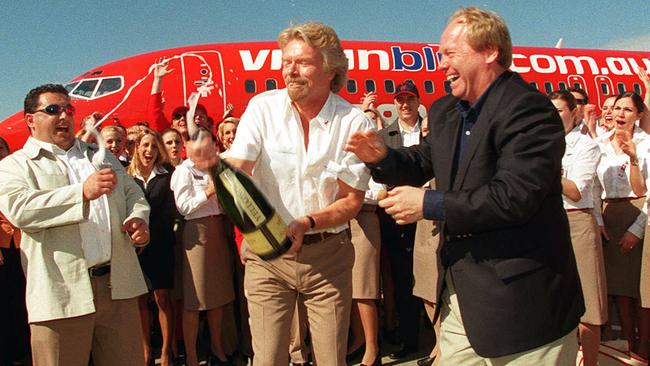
55 109
581 101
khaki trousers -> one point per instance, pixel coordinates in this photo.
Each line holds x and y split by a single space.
319 276
455 349
112 334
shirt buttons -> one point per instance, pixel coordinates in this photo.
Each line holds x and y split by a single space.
468 133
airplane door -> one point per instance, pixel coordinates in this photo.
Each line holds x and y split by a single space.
577 81
604 88
201 68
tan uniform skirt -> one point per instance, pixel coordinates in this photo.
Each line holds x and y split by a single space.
623 270
426 262
366 240
207 266
588 249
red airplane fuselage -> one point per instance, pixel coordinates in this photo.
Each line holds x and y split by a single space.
235 72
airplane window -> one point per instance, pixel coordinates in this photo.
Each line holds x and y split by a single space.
249 86
86 88
548 87
71 86
637 88
352 86
562 85
621 88
370 86
534 85
428 86
271 84
447 87
109 85
577 86
604 88
389 85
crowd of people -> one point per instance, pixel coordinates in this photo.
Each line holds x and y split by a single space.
515 220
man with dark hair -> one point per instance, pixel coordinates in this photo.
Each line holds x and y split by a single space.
585 112
80 222
511 293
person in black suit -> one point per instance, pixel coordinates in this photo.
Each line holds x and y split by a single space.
511 292
396 239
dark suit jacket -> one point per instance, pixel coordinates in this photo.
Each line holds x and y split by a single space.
392 234
506 236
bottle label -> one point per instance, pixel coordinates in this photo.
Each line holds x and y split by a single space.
243 201
260 243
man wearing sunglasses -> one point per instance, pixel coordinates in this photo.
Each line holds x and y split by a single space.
80 225
586 113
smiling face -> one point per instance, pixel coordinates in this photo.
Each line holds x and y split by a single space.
228 135
55 129
407 107
304 73
625 114
607 117
470 72
147 151
115 142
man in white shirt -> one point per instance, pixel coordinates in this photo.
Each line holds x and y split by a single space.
80 224
292 141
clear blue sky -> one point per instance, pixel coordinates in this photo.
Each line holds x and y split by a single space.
53 41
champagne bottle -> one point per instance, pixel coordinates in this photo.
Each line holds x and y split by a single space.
264 230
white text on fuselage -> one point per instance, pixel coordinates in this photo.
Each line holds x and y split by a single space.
427 59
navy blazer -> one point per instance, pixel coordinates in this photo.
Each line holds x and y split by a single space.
506 238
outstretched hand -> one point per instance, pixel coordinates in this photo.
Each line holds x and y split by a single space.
161 69
368 146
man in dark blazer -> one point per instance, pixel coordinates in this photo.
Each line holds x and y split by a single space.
511 290
397 239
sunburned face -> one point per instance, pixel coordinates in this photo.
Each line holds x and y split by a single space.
304 72
466 69
148 151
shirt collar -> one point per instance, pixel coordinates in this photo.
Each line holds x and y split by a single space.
416 127
156 171
34 146
472 111
573 136
324 117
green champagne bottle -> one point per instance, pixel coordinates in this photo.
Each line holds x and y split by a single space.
247 207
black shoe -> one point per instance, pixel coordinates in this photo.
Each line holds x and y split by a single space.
401 353
427 361
357 353
301 364
377 361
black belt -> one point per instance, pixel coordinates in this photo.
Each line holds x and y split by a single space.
310 239
99 270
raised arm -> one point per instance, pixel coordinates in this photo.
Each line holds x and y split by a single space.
644 123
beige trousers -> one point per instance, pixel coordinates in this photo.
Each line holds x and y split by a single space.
112 334
319 276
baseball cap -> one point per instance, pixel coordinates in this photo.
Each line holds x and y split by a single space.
406 87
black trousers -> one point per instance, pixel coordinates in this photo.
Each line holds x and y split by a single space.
398 241
14 330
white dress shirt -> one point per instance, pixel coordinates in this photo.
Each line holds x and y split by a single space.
579 164
189 184
96 231
411 136
614 174
299 181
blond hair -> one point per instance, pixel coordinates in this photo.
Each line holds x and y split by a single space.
135 167
485 30
323 38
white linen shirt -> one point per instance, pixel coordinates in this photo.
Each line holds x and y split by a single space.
189 184
614 174
295 180
579 164
96 231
